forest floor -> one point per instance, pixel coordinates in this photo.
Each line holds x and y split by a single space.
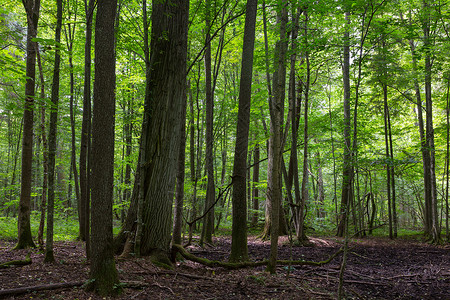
377 268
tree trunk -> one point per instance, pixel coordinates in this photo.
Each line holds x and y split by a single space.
103 273
25 239
52 139
86 130
239 250
255 194
347 168
432 205
167 84
208 223
179 192
277 112
44 159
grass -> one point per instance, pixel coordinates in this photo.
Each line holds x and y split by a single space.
65 228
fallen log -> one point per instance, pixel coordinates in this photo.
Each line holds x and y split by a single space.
246 264
36 288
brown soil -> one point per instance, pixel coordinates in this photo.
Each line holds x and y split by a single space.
377 269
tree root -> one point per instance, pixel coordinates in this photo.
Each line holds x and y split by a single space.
246 264
26 261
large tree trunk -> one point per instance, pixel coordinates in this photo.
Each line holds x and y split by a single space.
52 139
167 84
103 274
239 251
24 230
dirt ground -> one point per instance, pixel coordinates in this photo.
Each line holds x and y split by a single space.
377 268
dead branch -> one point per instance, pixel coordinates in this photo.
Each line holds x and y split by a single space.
246 264
26 261
29 289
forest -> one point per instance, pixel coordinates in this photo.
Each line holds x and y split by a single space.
267 149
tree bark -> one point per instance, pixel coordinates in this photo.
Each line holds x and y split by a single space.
208 223
86 130
277 112
239 250
103 272
167 84
25 239
52 139
347 168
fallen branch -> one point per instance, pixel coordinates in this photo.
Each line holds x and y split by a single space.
55 286
246 264
26 261
29 289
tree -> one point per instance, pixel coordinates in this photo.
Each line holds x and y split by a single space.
276 120
208 223
103 273
161 131
239 250
24 230
52 138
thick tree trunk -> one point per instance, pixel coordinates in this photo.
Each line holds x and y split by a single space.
239 251
167 84
24 230
103 273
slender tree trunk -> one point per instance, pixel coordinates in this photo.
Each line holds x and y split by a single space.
255 194
44 159
179 192
25 239
277 112
388 163
208 223
52 139
239 251
85 130
301 235
435 228
347 168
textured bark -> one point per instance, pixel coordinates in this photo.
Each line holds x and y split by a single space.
52 139
167 84
24 230
103 273
239 250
